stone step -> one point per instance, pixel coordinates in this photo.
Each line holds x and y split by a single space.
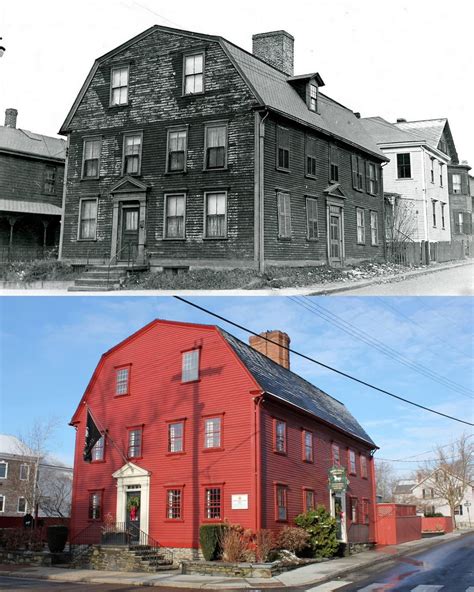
93 273
92 288
85 281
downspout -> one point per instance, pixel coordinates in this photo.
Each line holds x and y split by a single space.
258 400
63 205
260 192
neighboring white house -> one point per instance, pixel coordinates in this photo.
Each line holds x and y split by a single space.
417 174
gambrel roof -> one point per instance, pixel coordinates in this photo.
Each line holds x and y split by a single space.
272 90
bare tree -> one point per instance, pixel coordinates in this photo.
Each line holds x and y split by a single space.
400 225
385 480
55 487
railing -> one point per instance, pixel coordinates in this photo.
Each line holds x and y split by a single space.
129 247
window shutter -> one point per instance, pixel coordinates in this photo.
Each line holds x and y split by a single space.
467 222
362 165
450 182
367 175
464 185
354 171
376 182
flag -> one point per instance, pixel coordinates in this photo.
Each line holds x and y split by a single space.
93 435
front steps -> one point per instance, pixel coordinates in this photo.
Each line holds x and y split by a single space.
102 279
131 558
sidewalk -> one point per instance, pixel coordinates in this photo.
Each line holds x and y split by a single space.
317 573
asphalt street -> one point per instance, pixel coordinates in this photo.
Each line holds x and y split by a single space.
14 584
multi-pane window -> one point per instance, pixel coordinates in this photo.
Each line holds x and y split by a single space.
443 220
98 449
357 172
216 146
360 214
353 508
193 74
280 436
313 97
121 381
134 443
312 218
310 156
3 469
363 467
2 503
176 437
433 211
95 505
132 154
333 164
458 510
119 86
21 505
24 472
283 148
432 175
456 183
88 219
190 366
91 158
308 500
216 215
440 174
284 215
352 462
50 179
365 510
403 165
177 143
175 211
308 446
213 503
336 455
282 502
458 224
174 504
373 177
212 432
374 228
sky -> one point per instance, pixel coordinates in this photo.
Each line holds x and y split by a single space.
49 347
410 58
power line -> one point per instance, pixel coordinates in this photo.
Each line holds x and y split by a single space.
304 356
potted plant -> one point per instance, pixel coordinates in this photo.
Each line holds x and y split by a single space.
57 537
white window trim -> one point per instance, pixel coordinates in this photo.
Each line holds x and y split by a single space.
119 67
90 139
125 136
165 209
189 54
27 471
206 193
374 216
4 462
198 364
363 240
210 124
18 505
179 128
3 497
85 198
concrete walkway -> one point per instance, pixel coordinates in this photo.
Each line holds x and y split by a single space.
317 573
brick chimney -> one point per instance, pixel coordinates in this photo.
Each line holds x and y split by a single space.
10 118
276 48
273 350
401 120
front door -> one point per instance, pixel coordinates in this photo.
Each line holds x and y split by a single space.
338 507
133 514
335 235
129 233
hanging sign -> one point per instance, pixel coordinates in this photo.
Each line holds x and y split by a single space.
337 479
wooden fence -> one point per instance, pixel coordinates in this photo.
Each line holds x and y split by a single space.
412 253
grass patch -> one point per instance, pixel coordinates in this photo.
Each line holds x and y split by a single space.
37 270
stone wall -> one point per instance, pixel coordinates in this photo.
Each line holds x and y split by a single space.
25 558
229 570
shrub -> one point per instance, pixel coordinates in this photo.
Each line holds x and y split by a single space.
264 544
434 515
321 528
57 537
293 538
235 542
14 539
209 539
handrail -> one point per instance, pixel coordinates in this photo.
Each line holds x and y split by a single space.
128 246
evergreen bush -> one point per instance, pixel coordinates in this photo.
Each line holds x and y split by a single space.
321 527
210 536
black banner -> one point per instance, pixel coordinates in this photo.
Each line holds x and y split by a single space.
93 435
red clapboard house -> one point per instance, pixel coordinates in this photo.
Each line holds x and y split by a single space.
200 427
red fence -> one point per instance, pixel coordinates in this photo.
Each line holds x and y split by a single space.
42 523
397 523
437 524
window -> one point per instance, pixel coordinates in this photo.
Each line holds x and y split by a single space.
176 153
49 180
132 154
174 504
404 166
22 505
352 463
190 366
353 509
443 220
91 158
365 511
458 510
456 183
357 172
307 446
3 469
212 432
308 500
440 174
374 229
432 169
98 450
373 180
280 436
336 457
213 503
312 218
24 472
282 503
176 437
363 467
310 157
121 381
88 219
433 209
284 215
175 216
313 97
216 146
360 214
119 86
216 215
428 493
95 505
283 148
458 222
193 74
2 503
134 443
333 164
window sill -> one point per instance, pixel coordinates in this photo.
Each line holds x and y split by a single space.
121 395
216 449
176 453
214 238
97 462
280 452
173 520
120 106
90 178
190 381
282 170
309 462
132 458
360 244
171 173
308 176
285 239
404 179
86 240
281 521
207 170
169 238
213 520
197 94
312 240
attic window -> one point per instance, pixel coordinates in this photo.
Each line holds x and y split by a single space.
313 97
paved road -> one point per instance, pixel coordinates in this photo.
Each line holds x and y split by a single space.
446 568
458 281
19 584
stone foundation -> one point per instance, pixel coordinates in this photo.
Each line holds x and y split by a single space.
186 554
26 558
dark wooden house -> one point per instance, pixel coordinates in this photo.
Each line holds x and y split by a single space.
185 149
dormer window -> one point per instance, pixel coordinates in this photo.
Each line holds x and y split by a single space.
313 97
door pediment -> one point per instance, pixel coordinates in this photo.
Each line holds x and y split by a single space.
335 190
128 185
130 470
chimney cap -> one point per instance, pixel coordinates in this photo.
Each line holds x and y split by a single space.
272 34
